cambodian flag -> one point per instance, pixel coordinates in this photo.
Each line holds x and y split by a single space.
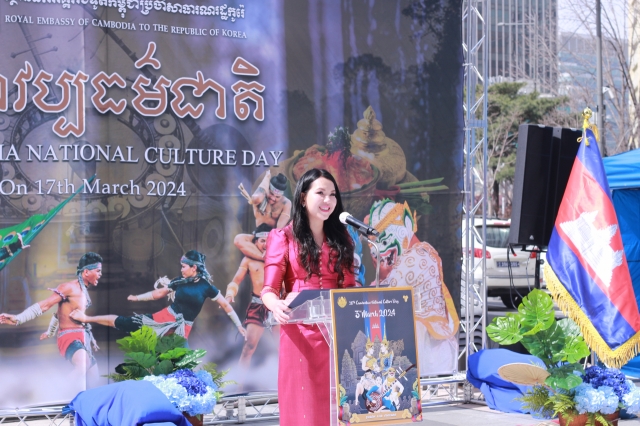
586 269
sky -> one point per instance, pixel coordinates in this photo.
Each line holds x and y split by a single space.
579 15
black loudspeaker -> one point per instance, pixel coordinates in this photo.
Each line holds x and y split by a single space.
543 164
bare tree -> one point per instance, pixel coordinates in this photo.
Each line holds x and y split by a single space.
620 47
508 107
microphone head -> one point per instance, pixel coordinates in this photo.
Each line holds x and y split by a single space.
343 217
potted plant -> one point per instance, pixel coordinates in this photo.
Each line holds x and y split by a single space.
169 365
578 397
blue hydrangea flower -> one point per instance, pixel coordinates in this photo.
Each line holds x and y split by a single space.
631 400
611 400
610 377
170 387
190 382
588 399
187 391
206 379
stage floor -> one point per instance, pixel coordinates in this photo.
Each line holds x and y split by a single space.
445 415
473 414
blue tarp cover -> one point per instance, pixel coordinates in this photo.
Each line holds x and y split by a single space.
499 394
133 402
623 170
623 174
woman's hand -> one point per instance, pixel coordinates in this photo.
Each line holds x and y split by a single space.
132 298
280 311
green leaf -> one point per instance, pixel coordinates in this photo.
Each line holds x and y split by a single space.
563 376
217 375
143 359
575 347
130 344
536 400
569 327
536 312
569 382
117 377
546 344
136 372
505 330
143 340
147 335
175 353
164 367
191 359
168 342
120 368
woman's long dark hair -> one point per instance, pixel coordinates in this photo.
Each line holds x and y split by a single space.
338 239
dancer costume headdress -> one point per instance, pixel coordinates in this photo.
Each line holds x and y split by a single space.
88 262
195 258
369 344
277 186
262 231
394 218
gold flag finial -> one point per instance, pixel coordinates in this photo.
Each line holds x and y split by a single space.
587 113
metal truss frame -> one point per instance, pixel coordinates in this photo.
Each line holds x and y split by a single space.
475 31
36 415
441 390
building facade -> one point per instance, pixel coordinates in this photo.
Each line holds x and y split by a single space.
523 43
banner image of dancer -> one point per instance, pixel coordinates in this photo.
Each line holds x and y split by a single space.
166 138
376 356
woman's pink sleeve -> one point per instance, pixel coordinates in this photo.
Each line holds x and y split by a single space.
276 260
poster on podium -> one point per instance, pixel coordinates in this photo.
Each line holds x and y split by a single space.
376 356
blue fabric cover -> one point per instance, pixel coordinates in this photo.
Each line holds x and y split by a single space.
483 374
632 368
626 203
133 402
623 170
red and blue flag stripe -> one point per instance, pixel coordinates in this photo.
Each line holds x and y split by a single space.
587 270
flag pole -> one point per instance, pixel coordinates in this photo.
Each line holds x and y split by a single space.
601 108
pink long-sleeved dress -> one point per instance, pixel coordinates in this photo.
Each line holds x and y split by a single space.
303 371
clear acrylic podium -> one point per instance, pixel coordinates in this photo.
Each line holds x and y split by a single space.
318 311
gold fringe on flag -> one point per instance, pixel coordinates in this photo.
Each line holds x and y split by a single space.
611 357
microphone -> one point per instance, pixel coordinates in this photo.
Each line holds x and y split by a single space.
362 227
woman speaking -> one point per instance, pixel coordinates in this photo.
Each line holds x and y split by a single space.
314 251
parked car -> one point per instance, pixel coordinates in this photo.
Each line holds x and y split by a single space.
510 272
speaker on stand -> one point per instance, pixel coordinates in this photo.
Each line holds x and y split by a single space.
544 159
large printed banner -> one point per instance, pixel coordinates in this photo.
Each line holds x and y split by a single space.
167 138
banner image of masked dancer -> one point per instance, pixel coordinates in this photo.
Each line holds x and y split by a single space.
187 293
405 260
75 340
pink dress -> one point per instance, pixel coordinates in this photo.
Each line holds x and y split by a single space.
303 372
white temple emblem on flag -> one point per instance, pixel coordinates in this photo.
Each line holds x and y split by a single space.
594 244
